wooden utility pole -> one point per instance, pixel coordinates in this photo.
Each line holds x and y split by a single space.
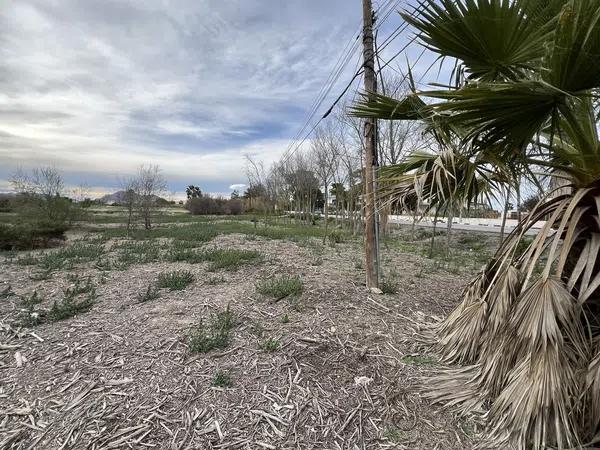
370 151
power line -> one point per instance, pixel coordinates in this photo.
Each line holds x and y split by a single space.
386 11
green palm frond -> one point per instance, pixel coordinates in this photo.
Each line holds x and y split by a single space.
573 63
493 38
508 114
411 107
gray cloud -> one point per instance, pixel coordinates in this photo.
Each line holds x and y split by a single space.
99 86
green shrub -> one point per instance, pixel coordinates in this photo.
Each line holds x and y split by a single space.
176 280
281 287
28 236
215 334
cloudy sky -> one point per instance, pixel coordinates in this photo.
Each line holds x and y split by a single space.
97 87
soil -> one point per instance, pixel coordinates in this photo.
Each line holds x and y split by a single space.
346 375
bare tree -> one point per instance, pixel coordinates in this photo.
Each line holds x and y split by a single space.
41 200
325 154
148 186
81 192
129 200
43 181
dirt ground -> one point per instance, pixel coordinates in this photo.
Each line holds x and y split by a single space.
345 375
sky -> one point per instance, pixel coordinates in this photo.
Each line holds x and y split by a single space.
97 87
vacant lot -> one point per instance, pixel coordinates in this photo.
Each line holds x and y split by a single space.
224 334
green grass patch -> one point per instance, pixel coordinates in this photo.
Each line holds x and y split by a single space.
176 280
229 259
64 258
280 287
134 252
196 233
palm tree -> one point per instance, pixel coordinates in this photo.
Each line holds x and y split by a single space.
527 331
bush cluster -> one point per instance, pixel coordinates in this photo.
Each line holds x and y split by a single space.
39 220
218 206
27 236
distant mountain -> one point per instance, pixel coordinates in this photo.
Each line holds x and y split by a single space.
118 198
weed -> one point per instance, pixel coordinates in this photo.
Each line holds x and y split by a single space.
152 293
27 260
28 316
51 262
181 244
281 287
316 261
336 236
136 253
31 301
212 281
200 232
81 252
69 307
215 334
222 379
389 286
80 287
285 319
418 360
185 255
270 345
176 280
395 435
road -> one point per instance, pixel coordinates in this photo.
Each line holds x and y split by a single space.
490 227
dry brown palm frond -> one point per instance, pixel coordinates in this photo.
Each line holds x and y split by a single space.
546 315
592 394
539 398
465 324
524 331
462 341
503 295
536 405
458 388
